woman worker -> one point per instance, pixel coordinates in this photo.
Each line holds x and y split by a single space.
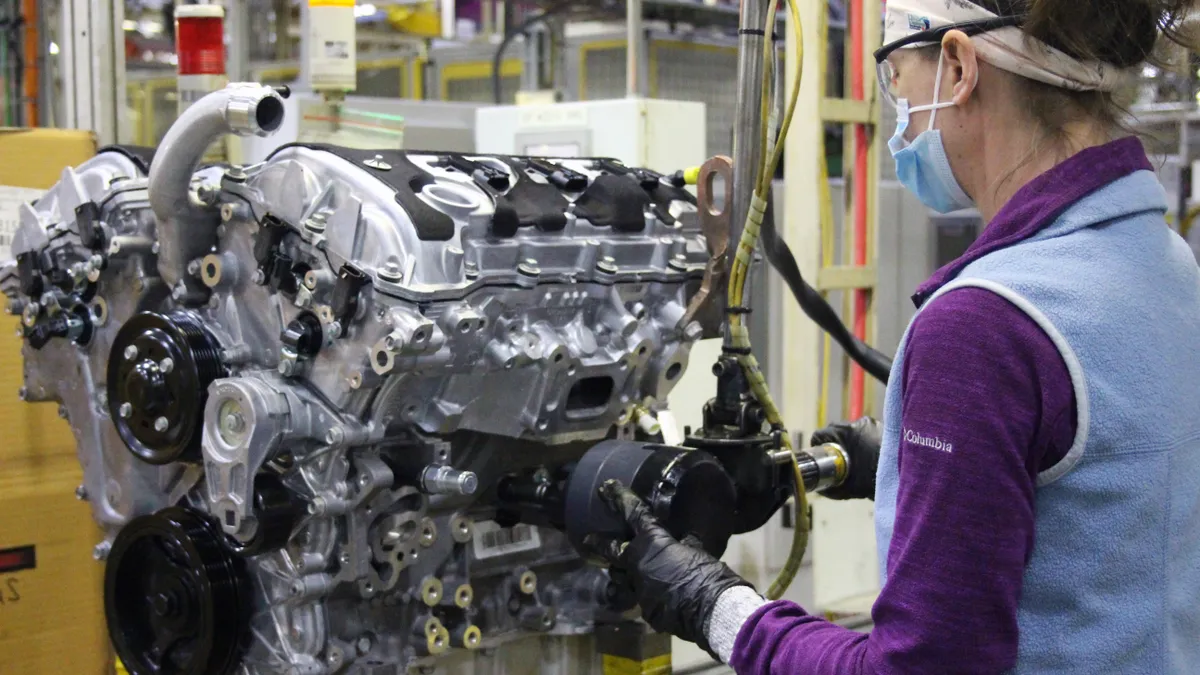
1037 499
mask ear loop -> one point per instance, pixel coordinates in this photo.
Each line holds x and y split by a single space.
937 91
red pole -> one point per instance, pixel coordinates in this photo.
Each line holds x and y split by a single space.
29 11
857 384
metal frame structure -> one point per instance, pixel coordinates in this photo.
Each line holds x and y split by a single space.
92 58
845 574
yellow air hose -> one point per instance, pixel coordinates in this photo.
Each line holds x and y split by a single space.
738 332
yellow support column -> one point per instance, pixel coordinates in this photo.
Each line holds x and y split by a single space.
842 545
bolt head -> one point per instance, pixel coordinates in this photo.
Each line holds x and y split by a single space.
166 365
161 424
335 436
693 331
468 482
100 552
234 422
126 410
130 353
287 368
193 267
258 277
81 493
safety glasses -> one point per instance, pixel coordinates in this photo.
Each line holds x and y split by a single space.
887 73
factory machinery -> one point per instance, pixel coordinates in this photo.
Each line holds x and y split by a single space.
347 411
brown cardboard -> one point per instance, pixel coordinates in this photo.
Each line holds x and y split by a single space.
33 158
51 615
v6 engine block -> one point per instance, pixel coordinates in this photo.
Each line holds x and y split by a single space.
297 386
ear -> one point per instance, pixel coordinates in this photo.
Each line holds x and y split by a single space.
961 64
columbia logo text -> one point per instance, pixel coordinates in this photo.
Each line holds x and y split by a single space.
933 442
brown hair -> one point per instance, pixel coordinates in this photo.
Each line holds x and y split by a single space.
1122 33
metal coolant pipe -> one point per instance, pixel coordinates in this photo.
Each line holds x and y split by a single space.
748 121
821 466
244 109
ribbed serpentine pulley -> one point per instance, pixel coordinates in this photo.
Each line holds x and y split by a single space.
158 376
176 600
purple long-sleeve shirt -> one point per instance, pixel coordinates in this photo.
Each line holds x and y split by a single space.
978 373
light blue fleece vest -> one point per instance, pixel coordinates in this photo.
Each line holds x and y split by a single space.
1113 585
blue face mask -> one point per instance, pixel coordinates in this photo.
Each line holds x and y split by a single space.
922 166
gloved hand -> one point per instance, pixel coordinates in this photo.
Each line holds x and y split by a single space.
861 441
676 583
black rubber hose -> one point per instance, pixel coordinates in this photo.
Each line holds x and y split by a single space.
816 307
498 57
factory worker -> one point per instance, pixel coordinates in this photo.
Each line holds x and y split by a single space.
1037 497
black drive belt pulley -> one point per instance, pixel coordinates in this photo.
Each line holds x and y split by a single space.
158 376
176 600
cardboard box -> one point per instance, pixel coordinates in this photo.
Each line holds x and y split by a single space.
31 158
51 590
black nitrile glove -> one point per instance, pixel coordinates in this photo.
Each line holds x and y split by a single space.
676 583
861 441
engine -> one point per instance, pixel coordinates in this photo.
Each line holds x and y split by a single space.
318 399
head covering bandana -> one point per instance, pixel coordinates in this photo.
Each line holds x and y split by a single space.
1008 49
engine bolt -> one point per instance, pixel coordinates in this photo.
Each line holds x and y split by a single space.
527 583
81 493
694 331
608 265
126 410
678 262
193 268
166 365
233 422
470 269
363 645
336 436
441 479
258 277
130 352
390 272
529 267
161 424
62 411
100 552
316 223
431 591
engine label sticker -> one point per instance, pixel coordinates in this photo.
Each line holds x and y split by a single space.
11 199
492 541
17 559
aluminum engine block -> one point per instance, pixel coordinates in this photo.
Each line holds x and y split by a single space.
325 363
